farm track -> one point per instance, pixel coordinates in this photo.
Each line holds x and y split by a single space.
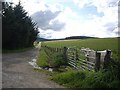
17 73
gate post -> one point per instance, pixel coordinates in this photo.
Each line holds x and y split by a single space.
97 61
76 58
107 59
65 54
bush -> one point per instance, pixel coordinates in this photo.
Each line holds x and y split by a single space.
50 58
56 60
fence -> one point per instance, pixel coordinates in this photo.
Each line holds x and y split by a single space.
55 57
84 58
87 59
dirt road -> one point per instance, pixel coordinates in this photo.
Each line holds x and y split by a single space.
17 73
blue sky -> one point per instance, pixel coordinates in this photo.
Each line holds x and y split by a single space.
63 18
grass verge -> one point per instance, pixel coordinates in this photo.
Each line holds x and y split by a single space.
85 79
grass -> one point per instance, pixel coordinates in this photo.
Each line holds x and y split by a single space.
85 79
71 78
95 44
42 59
48 58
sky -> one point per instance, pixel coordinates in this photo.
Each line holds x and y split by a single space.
64 18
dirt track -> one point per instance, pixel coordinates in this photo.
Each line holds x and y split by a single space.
17 73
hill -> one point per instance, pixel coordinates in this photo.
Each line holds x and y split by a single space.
79 37
67 38
42 39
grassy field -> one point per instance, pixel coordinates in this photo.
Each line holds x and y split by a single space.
85 79
95 44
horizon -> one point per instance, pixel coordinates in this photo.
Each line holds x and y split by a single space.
75 36
60 19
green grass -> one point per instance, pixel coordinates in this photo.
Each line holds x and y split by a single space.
42 59
95 44
50 58
87 79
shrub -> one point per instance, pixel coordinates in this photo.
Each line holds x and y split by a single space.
42 59
50 58
56 60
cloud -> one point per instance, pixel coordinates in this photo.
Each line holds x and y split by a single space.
46 34
109 8
117 31
45 20
83 3
96 26
59 19
119 14
102 6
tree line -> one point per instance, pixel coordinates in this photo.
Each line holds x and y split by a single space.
18 29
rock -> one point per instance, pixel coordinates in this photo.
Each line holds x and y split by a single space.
34 60
50 69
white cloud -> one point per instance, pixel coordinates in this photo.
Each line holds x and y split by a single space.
31 6
110 10
96 26
55 7
103 5
82 3
108 7
117 31
104 26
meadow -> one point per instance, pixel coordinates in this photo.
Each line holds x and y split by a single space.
98 44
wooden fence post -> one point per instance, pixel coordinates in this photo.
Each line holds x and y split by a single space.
107 59
76 58
65 53
97 61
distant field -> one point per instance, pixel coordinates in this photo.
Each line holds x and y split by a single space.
95 44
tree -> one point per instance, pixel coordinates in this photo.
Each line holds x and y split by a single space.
18 29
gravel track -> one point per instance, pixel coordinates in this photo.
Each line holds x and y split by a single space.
17 73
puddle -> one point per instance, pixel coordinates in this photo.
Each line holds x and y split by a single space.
35 66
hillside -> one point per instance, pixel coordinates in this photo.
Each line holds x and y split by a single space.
79 37
42 39
67 38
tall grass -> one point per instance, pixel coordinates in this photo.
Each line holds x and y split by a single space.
42 59
50 58
86 79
